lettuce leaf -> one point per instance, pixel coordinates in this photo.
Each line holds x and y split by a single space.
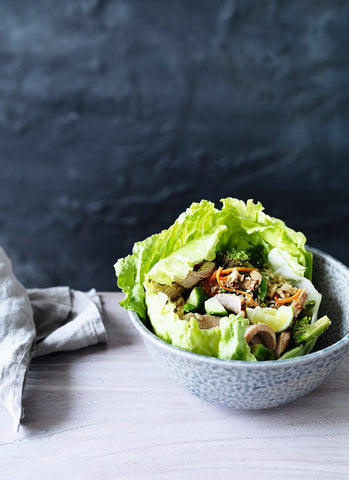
200 219
181 333
282 264
245 225
176 266
233 345
226 341
197 235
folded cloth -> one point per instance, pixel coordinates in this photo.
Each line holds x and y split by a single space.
66 319
36 322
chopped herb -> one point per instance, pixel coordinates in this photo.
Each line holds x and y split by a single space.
263 287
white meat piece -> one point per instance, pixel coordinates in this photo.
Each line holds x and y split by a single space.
194 277
230 302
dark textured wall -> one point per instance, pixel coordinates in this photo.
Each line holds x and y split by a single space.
116 115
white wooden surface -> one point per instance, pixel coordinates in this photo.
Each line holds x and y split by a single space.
109 412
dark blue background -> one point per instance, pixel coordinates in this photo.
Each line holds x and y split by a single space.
116 115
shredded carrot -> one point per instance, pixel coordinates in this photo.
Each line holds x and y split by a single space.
213 277
229 270
218 275
290 299
221 284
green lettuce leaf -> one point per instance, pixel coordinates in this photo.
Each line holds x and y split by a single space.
197 235
181 333
226 341
282 264
177 265
250 226
200 219
233 345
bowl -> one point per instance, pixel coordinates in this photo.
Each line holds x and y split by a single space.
260 385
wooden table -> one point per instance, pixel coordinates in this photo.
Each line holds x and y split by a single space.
109 412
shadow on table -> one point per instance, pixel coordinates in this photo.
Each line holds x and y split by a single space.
120 332
51 385
47 395
54 381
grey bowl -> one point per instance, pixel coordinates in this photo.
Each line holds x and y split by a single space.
257 385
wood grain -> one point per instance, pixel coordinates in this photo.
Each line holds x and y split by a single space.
108 412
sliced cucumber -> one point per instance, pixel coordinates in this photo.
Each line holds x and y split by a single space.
261 352
195 300
189 307
214 307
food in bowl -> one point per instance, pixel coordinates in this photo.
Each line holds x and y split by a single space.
233 283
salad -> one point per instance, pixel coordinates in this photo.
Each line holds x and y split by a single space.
233 283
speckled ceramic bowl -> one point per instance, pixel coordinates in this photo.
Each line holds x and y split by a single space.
257 385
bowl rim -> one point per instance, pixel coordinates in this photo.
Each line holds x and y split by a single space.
343 343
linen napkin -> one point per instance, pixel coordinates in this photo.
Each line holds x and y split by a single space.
36 322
